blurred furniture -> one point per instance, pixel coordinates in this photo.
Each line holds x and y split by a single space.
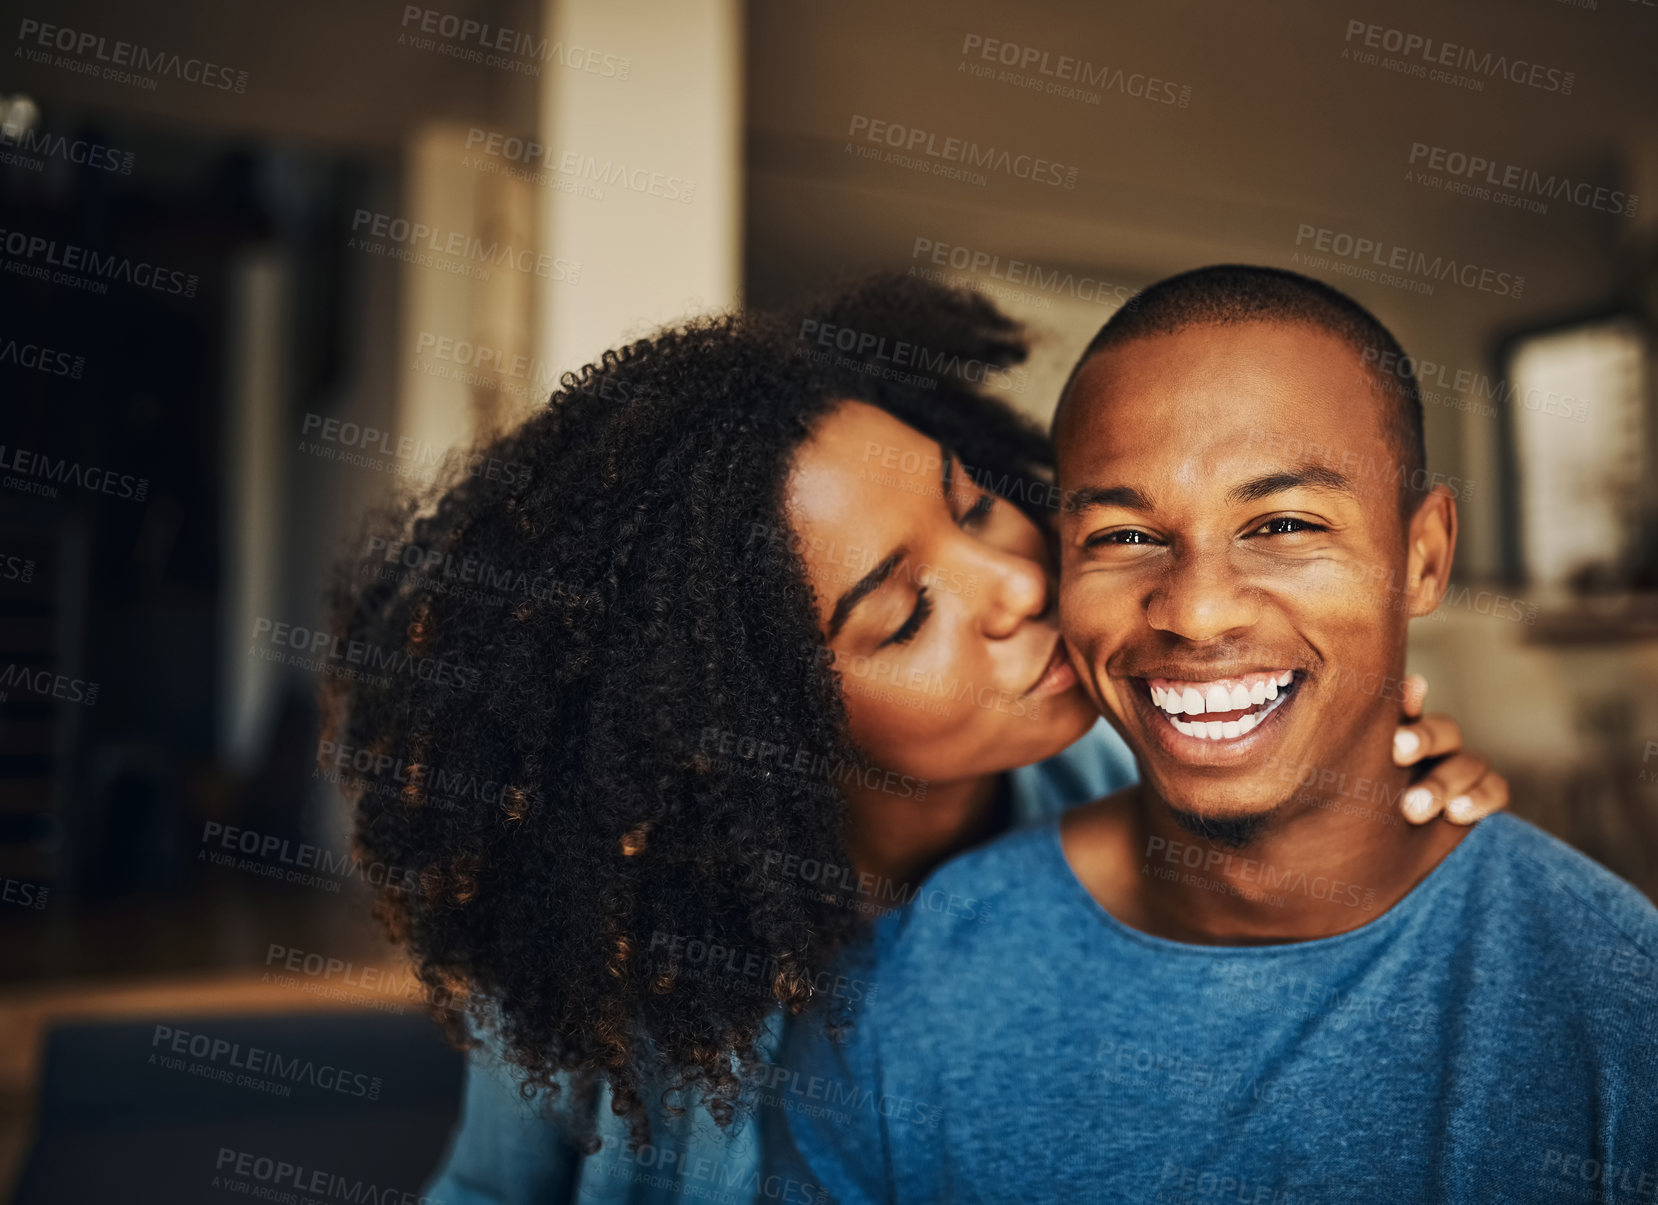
115 1123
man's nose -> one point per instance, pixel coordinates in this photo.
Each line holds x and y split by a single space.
1201 597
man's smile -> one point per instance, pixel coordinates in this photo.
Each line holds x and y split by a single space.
1215 720
1230 706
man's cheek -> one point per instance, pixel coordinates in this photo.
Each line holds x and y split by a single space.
1345 588
1093 622
1084 609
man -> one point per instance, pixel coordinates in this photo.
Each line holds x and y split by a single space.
1242 980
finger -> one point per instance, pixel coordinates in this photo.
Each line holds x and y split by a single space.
1489 794
1413 694
1431 736
1456 775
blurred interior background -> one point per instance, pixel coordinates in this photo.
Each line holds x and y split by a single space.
317 199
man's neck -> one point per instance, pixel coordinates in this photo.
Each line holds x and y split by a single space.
1327 861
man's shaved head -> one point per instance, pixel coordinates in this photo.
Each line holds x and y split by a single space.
1224 294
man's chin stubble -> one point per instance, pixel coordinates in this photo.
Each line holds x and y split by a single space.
1229 832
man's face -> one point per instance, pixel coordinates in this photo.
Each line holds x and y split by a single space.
1235 578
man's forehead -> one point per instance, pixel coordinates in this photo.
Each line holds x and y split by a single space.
1205 394
1201 465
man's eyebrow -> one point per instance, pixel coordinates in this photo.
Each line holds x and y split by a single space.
946 471
862 589
1125 496
1307 476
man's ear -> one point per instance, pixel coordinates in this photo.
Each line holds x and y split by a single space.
1431 538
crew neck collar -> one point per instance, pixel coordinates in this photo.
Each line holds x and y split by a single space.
1420 898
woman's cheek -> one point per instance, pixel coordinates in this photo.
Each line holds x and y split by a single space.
898 708
893 732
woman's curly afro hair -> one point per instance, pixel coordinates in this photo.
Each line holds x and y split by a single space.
580 626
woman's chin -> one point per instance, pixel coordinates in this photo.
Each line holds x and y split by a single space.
1045 728
1065 719
1082 708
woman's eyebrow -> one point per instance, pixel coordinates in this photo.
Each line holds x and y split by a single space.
863 588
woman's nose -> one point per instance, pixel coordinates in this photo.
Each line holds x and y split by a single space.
1018 589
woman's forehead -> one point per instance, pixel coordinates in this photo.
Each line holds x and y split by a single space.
857 430
862 461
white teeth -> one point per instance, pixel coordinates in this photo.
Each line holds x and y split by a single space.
1261 694
1216 730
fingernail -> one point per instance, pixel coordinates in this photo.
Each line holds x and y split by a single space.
1460 808
1418 801
1405 742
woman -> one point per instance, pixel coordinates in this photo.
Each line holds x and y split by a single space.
780 638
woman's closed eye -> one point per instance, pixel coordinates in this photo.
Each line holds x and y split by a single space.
907 630
979 511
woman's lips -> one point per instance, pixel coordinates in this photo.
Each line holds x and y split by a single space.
1056 676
